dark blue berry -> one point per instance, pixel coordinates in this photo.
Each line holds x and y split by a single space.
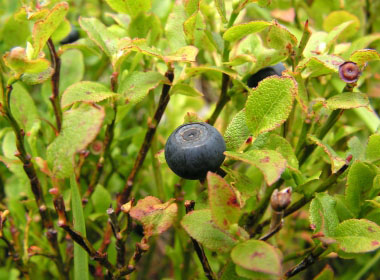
276 69
72 37
193 149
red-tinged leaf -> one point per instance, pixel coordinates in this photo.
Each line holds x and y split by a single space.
358 236
200 226
155 216
44 28
79 128
270 163
224 205
336 161
258 256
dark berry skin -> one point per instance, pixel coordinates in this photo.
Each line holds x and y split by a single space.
276 69
72 37
193 149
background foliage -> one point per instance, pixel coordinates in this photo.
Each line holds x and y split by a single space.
85 192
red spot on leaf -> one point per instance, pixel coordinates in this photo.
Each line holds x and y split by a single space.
375 243
370 229
257 255
265 160
233 202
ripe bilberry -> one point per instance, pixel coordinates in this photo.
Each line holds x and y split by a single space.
193 149
276 69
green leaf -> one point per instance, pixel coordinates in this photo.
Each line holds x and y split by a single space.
155 216
239 31
243 184
237 132
358 236
101 199
80 127
322 65
323 217
361 57
326 274
24 109
44 28
359 181
338 17
258 256
62 31
270 163
37 78
301 93
100 35
229 273
183 54
192 71
336 161
136 85
185 89
85 92
280 144
80 255
175 34
270 103
333 35
280 38
347 100
240 59
18 61
194 28
199 225
131 7
372 152
221 7
224 205
14 32
72 68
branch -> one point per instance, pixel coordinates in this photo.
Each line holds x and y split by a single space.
152 127
77 236
331 180
189 204
305 263
140 248
223 99
332 119
54 98
106 145
255 216
120 247
30 171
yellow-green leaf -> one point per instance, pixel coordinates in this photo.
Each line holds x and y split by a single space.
269 104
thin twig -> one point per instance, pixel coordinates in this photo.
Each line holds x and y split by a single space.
77 236
54 98
223 99
140 248
330 181
252 220
30 171
120 247
189 205
305 263
106 145
152 127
